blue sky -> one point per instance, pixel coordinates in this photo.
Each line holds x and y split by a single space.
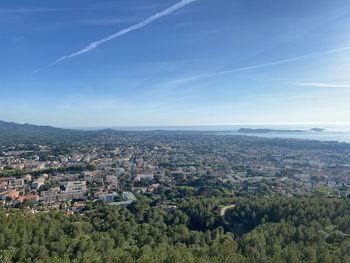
205 62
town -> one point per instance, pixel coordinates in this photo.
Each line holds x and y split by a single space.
165 166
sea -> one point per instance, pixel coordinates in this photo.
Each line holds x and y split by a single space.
331 132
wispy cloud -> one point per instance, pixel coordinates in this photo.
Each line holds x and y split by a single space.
322 85
256 66
122 32
106 21
94 7
37 10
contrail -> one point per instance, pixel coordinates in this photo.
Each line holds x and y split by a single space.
124 31
257 66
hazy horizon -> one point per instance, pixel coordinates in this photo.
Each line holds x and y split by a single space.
260 124
339 132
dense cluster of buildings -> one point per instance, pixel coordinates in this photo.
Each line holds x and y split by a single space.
44 176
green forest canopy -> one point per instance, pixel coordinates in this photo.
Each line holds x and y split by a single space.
299 229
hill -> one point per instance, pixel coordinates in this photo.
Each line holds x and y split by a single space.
12 127
24 133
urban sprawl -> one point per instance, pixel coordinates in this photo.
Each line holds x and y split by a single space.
164 165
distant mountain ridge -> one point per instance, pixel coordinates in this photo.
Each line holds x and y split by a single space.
6 127
11 131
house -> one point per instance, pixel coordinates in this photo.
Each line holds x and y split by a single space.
12 194
33 198
139 189
141 177
16 183
27 178
112 180
37 183
108 198
153 187
3 186
73 186
78 207
40 181
52 197
6 179
128 198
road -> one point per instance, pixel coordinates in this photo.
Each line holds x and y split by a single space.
223 211
225 208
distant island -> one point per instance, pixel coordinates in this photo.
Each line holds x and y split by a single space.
317 129
250 130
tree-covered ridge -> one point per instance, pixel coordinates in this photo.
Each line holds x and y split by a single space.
111 234
293 229
273 230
